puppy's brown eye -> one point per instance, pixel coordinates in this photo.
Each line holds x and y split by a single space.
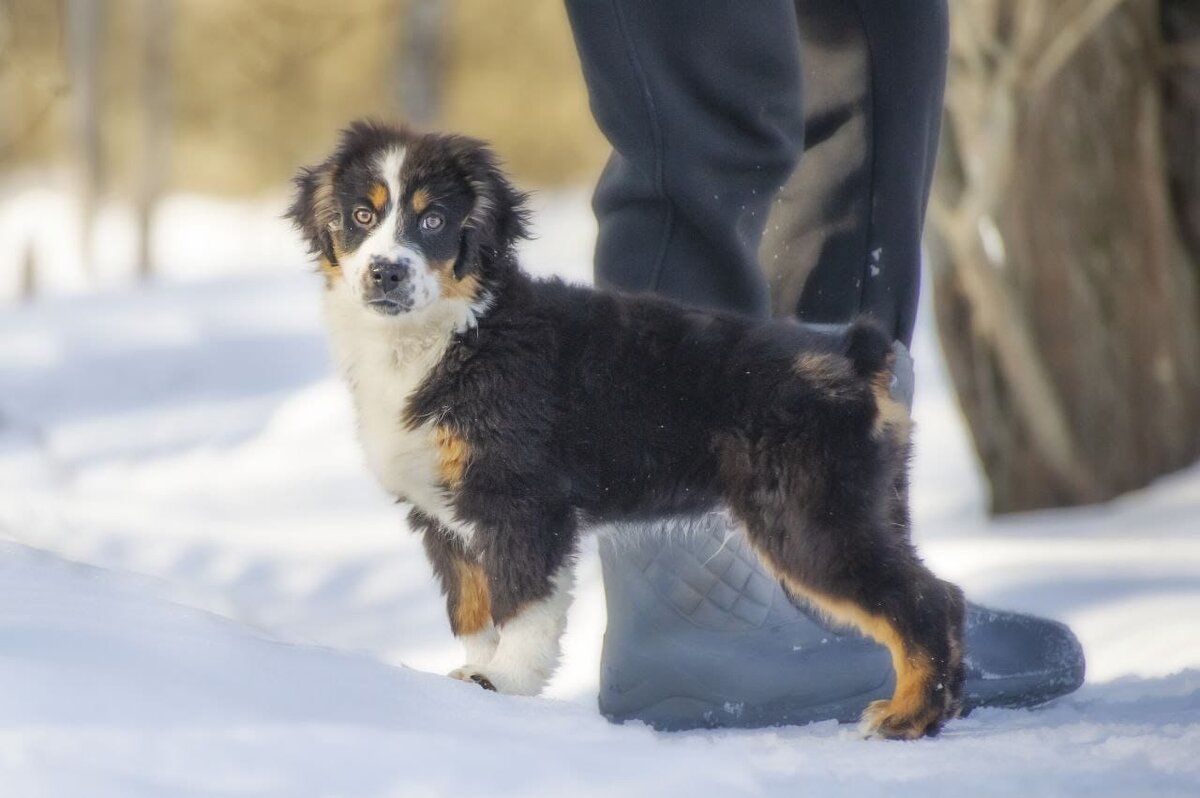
432 222
364 216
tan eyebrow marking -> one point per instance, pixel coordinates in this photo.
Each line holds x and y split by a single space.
378 196
421 199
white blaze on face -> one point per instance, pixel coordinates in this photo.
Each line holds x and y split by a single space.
384 243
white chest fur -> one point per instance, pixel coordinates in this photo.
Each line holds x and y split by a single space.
384 361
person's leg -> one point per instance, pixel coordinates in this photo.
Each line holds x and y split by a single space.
844 234
701 101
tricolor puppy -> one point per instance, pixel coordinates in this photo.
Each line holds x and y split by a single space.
514 414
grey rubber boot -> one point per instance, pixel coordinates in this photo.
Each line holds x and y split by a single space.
699 635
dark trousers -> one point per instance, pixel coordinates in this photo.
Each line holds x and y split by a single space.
814 120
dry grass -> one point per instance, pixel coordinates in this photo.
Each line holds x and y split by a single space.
258 87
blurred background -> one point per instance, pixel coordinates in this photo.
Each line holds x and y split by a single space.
168 411
115 111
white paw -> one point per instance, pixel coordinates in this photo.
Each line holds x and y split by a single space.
472 673
525 681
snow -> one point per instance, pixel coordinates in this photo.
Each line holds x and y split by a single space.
202 592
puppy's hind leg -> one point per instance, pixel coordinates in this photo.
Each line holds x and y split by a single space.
832 544
902 606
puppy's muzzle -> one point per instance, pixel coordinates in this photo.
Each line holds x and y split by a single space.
388 286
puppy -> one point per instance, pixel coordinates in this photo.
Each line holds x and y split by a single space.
513 414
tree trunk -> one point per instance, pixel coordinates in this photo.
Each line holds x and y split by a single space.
418 78
1181 111
156 124
27 283
85 36
1066 300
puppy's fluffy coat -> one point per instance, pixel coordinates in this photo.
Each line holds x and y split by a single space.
514 413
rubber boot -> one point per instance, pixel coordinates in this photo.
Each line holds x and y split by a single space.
700 636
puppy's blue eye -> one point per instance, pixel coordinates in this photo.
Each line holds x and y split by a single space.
432 221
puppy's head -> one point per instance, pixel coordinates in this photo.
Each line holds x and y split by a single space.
404 220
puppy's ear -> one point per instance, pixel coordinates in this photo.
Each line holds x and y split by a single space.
498 216
314 211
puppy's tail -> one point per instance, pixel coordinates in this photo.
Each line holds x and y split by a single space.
889 373
868 347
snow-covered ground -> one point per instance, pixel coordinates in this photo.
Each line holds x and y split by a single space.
202 592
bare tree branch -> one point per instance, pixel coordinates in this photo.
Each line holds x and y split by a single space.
1067 39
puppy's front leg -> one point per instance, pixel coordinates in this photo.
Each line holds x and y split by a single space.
526 552
464 584
529 647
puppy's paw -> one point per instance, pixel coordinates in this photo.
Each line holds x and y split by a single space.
881 719
525 682
472 673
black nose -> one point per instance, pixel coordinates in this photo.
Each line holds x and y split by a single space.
388 275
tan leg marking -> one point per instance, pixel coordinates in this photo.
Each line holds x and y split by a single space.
908 713
473 611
